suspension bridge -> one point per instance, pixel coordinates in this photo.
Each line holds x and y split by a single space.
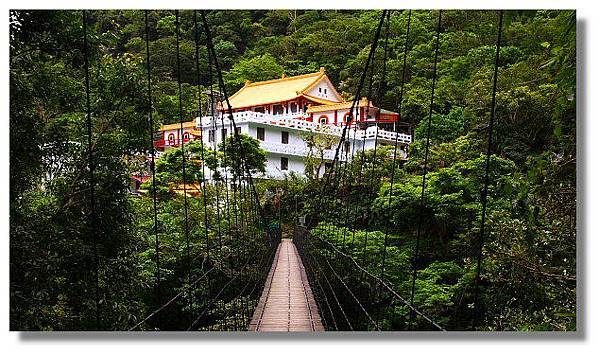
252 278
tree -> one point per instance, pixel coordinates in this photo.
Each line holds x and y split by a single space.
243 155
260 68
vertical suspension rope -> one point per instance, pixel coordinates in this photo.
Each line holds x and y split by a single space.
183 159
424 174
374 160
204 201
236 136
152 159
486 183
355 102
395 156
214 152
91 168
230 112
382 85
358 92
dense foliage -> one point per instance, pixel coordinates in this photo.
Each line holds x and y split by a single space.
529 254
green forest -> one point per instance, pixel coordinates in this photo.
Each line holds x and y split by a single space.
529 255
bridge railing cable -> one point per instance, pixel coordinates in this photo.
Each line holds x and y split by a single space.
301 244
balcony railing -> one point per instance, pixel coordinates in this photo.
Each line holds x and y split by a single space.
295 150
292 121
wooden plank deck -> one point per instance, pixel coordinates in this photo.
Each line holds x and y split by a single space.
287 303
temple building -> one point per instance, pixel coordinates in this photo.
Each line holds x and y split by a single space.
282 113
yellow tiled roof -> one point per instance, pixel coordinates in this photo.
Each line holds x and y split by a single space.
277 90
172 126
338 106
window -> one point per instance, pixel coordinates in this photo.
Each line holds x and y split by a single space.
259 109
171 137
211 136
284 163
260 133
325 91
320 90
347 117
277 109
285 137
223 134
323 119
186 135
238 130
294 107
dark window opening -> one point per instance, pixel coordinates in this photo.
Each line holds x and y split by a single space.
294 107
259 109
285 137
260 133
277 109
171 137
284 163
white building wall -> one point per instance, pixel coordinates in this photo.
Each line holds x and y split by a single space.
273 166
296 149
326 91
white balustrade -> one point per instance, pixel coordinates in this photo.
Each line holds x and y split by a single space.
293 121
295 150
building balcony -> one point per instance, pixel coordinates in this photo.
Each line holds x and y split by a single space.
296 150
294 121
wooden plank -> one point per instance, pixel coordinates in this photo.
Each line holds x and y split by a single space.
287 303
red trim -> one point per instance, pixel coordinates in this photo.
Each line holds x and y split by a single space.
345 119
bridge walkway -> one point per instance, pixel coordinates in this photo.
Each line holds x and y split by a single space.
287 303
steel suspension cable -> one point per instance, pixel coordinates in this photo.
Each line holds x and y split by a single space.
374 160
355 102
486 183
91 168
383 283
395 155
215 298
152 160
382 84
424 173
204 200
186 288
335 297
230 112
183 157
303 255
358 91
243 160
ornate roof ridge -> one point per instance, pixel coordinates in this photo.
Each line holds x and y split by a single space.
287 78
